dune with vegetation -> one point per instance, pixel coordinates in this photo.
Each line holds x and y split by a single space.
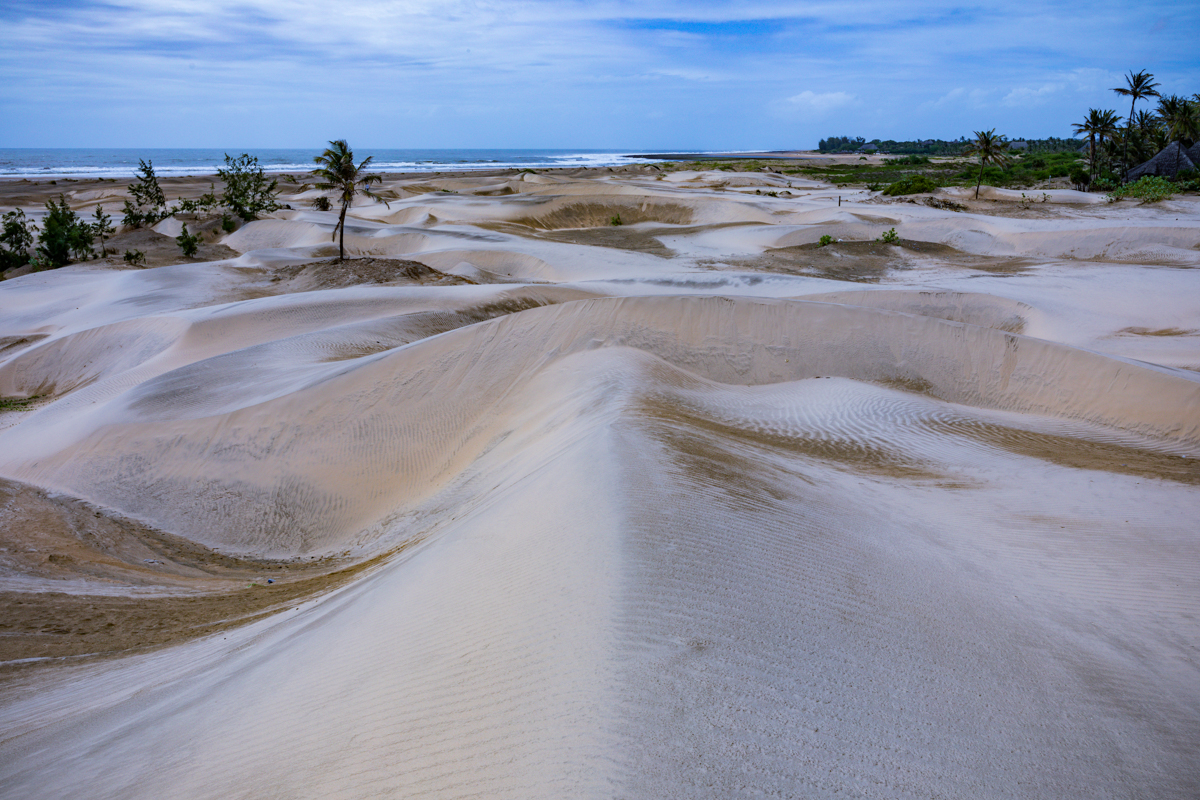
668 481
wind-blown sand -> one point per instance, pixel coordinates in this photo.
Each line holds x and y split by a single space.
520 503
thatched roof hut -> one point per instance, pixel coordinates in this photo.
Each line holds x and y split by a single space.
1173 159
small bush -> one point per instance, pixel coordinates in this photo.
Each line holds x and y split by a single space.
825 240
17 238
149 204
914 160
321 203
1148 189
248 193
134 257
187 242
891 237
227 223
63 235
1079 177
102 228
616 220
913 184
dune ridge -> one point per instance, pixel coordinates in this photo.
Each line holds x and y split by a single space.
522 503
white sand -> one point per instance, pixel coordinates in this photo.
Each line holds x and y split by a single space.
667 525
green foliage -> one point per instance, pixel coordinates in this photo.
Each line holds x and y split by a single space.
63 235
338 173
1148 189
825 240
134 257
1080 177
890 237
913 184
149 204
17 238
321 203
248 193
102 228
205 204
227 224
911 159
615 220
187 242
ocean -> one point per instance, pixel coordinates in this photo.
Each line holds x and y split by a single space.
123 162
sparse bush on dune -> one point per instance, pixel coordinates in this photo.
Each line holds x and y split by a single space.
248 192
911 184
17 239
64 235
188 243
1148 189
149 205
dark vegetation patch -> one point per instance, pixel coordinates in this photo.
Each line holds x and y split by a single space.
336 273
1069 451
606 214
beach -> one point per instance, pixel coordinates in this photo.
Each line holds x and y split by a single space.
610 481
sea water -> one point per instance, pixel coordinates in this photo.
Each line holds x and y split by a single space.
123 162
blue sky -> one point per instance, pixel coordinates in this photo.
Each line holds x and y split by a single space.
643 74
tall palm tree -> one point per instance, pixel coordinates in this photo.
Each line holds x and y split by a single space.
1181 117
991 149
339 174
1138 87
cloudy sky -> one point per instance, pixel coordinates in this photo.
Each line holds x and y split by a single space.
637 74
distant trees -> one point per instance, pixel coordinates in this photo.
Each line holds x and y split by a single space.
1097 125
991 149
339 174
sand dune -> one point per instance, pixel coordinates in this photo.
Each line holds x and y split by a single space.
552 507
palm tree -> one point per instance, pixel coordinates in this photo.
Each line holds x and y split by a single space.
1181 117
339 174
1138 87
991 149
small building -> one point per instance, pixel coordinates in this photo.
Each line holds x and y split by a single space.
1172 160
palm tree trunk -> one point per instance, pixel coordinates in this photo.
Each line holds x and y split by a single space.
980 179
1128 131
1092 145
342 230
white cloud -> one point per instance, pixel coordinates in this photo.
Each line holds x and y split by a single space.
811 102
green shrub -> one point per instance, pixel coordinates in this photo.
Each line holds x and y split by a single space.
913 159
248 193
63 235
321 203
825 240
616 220
1148 189
912 184
890 237
149 204
187 242
134 257
102 228
17 238
227 223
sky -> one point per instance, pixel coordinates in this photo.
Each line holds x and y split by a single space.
637 74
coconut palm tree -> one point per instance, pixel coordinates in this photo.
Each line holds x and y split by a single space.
1181 117
991 149
337 173
1138 87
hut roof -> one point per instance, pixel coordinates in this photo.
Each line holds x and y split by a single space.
1193 154
1172 160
